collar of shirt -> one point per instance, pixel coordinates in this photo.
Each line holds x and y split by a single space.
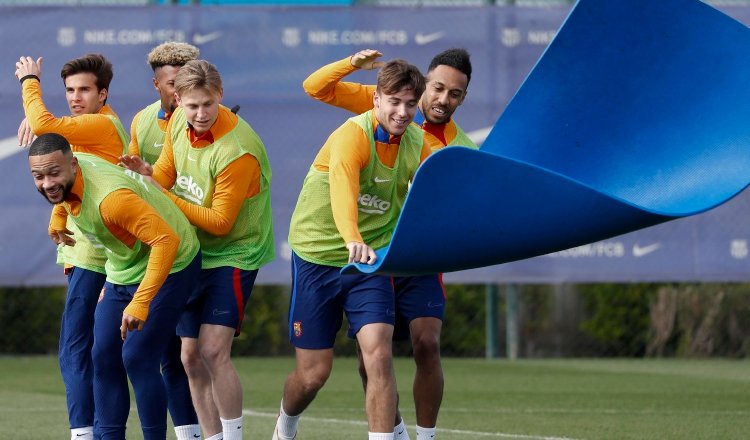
76 193
205 138
437 130
163 115
384 137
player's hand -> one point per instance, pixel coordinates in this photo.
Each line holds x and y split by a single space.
27 66
63 236
367 59
129 322
101 296
361 253
135 163
25 135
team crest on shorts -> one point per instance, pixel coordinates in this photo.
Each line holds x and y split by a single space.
297 329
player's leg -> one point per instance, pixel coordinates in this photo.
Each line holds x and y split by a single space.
428 379
399 426
312 369
227 291
200 387
420 301
143 349
198 377
179 401
369 307
111 392
315 316
76 340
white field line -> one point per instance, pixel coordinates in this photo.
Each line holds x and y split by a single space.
473 434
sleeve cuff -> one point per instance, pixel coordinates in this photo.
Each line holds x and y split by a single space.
24 78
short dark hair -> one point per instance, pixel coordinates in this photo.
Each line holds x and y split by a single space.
398 74
49 143
90 63
457 58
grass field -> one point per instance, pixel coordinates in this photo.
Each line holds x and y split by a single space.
527 399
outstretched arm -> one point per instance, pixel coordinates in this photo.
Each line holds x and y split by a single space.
325 84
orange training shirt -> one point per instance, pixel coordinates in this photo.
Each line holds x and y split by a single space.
130 218
91 133
326 86
344 155
240 180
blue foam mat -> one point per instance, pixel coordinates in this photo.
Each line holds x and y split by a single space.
637 113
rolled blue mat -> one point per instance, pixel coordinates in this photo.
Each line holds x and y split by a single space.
637 113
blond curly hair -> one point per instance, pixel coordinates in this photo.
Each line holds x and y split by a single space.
172 53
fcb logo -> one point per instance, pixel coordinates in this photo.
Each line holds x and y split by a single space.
297 329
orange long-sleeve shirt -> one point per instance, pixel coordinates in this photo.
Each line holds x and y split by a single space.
240 179
129 218
91 133
326 85
344 155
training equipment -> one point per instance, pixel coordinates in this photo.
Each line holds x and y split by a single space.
636 114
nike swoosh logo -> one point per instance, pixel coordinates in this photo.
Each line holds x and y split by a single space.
640 251
205 38
191 159
220 312
158 145
379 180
432 305
422 39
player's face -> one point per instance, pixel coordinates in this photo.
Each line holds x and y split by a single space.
395 112
164 84
82 94
446 90
201 108
53 175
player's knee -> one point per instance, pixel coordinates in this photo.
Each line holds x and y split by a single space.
314 378
191 361
426 344
214 354
379 362
135 361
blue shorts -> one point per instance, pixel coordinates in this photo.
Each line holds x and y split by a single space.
320 297
220 299
417 297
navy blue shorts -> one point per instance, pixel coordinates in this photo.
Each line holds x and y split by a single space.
417 297
220 299
320 297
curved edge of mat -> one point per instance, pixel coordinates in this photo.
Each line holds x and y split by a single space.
469 209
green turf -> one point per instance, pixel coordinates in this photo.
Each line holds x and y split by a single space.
528 399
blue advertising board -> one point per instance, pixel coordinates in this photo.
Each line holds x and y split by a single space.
264 54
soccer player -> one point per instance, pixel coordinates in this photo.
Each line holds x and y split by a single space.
152 267
92 127
146 139
349 204
219 175
420 300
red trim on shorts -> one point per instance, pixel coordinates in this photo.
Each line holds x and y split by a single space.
442 286
238 297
